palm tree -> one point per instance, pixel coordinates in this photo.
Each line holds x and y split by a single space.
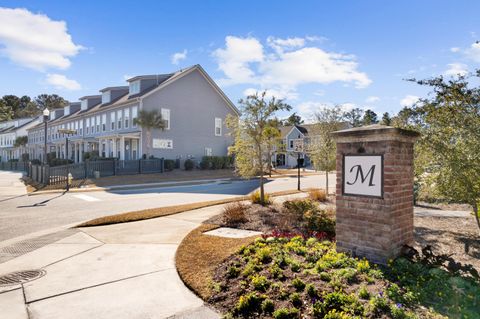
150 120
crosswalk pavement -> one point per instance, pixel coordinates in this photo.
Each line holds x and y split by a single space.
86 198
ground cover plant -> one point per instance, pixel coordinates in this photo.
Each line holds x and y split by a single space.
302 277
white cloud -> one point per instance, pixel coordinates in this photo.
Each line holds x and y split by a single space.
278 94
127 76
34 40
455 69
455 49
179 56
473 52
409 100
372 99
61 82
284 64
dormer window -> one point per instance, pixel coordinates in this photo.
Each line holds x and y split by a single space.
84 105
106 97
134 87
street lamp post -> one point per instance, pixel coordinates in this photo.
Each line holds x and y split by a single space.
46 114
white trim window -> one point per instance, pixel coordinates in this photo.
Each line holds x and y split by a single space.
87 126
104 122
126 116
80 127
218 126
134 87
112 121
134 115
106 97
166 117
76 127
208 151
119 119
98 123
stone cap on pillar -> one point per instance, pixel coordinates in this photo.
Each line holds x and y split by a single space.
375 132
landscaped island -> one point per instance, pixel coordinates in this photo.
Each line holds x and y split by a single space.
294 271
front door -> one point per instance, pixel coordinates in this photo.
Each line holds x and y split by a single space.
128 148
280 159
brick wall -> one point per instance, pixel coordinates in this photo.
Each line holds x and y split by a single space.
377 228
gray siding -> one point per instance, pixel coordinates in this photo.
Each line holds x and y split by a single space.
193 105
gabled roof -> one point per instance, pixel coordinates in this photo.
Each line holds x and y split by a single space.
109 88
304 128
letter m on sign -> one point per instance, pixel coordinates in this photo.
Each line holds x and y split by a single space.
363 175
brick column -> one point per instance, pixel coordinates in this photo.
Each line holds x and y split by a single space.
376 227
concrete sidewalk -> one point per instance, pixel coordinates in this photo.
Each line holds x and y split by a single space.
116 271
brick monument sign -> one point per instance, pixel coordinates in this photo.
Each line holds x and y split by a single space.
374 194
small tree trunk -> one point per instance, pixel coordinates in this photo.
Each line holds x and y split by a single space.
475 212
326 185
149 137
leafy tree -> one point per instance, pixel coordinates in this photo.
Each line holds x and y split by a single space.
50 101
21 141
293 119
322 148
272 141
354 117
369 118
6 112
12 102
150 120
251 135
386 119
450 125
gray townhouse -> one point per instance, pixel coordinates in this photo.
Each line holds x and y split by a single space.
9 132
193 107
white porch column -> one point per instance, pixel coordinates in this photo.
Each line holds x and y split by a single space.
114 147
107 147
122 148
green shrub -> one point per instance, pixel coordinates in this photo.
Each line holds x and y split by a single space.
233 272
298 284
168 164
255 198
311 291
363 266
286 313
363 293
334 314
249 304
260 283
276 272
268 306
325 276
189 165
296 299
264 255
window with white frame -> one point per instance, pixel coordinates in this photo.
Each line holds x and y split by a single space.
218 126
134 115
76 127
87 125
106 97
126 115
84 105
80 127
104 122
166 117
98 123
134 87
112 121
208 151
119 119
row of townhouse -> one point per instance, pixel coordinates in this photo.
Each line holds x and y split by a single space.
9 132
192 105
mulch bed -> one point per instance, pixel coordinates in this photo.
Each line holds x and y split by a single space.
459 237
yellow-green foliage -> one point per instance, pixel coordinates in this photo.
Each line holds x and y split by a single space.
256 199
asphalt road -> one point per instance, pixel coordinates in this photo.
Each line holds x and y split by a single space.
21 214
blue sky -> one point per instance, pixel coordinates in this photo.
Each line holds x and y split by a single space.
311 53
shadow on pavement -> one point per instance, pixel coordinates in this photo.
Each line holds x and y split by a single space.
42 203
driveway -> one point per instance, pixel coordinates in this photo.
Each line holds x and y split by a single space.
117 271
